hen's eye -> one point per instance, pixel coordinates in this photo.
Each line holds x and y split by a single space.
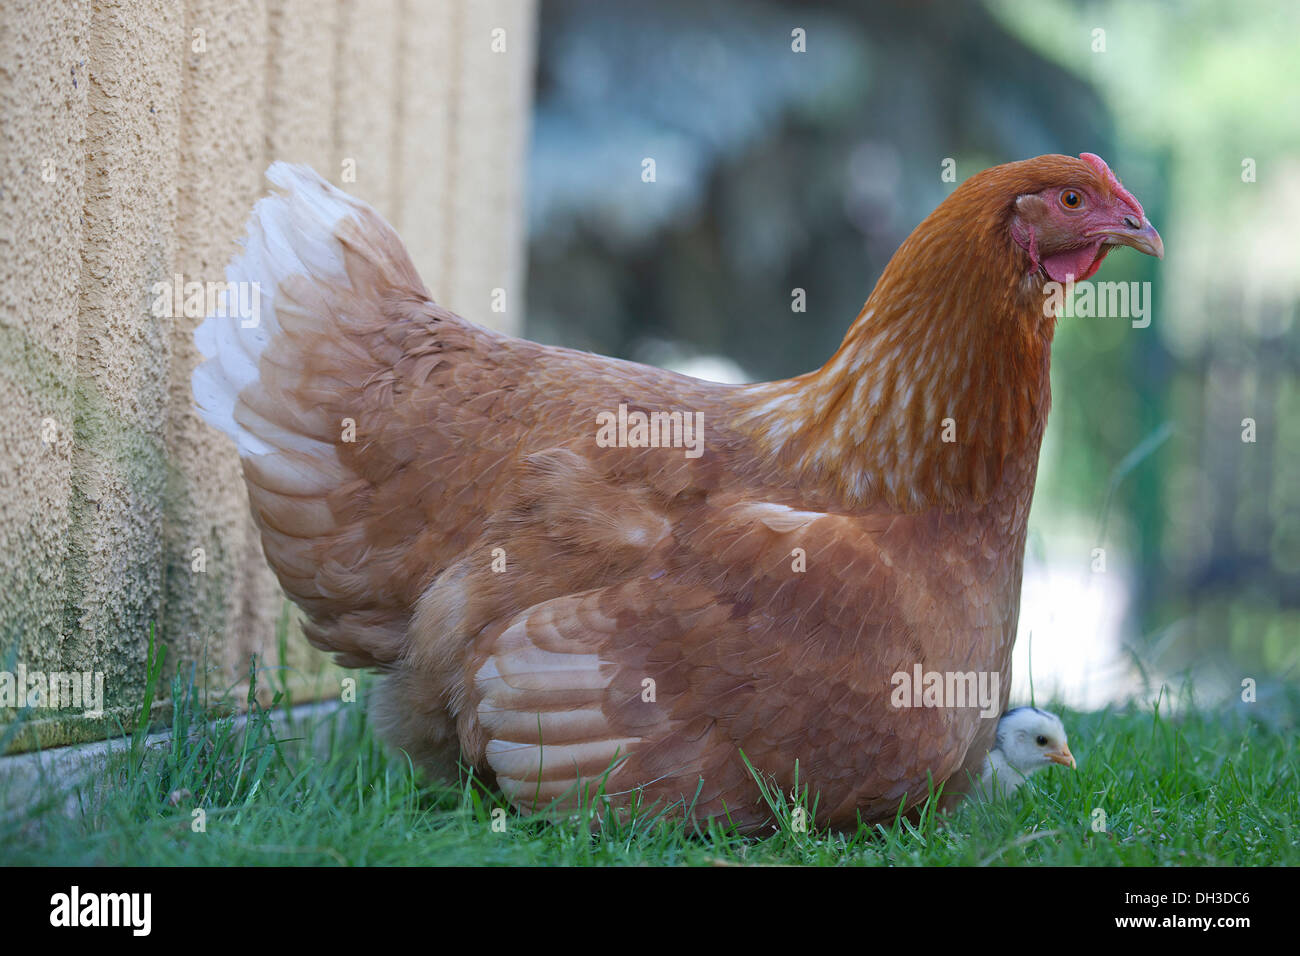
1042 741
1071 199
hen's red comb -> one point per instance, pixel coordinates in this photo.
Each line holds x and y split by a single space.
1099 164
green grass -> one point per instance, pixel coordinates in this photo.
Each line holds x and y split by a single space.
1206 788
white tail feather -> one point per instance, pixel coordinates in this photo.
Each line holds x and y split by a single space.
291 232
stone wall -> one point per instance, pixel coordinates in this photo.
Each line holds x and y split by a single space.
133 138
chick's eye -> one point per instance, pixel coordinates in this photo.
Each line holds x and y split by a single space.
1042 741
1071 199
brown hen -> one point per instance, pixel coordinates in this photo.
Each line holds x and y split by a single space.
577 570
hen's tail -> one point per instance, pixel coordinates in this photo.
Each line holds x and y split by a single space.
298 370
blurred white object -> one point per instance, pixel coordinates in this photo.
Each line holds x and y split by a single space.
1070 626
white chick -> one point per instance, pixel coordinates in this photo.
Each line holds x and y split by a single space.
1028 740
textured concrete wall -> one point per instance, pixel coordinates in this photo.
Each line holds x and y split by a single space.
133 137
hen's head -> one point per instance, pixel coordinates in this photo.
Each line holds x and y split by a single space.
1068 213
1031 739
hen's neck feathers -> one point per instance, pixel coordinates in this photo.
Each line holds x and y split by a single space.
954 330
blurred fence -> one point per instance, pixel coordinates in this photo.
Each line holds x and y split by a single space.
135 135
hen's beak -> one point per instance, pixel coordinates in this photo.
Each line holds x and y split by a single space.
1063 756
1141 236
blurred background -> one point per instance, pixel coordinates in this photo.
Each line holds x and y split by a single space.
779 169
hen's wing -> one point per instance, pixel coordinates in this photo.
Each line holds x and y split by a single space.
747 626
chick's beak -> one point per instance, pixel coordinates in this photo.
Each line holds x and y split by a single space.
1062 756
1141 236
